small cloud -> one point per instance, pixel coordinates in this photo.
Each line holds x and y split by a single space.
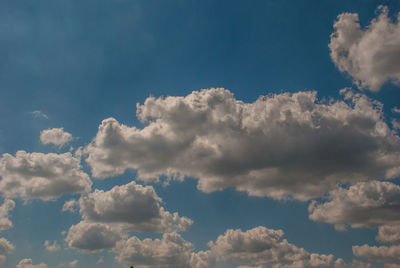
396 110
70 206
53 247
55 136
101 260
73 264
39 114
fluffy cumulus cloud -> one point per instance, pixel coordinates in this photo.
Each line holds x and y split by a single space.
55 136
256 246
169 251
371 56
287 145
365 204
51 247
92 237
385 254
41 176
389 234
5 208
5 248
27 263
132 206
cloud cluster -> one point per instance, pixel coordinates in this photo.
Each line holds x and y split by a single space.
259 246
27 263
55 136
5 248
287 145
41 176
371 56
389 234
106 215
365 204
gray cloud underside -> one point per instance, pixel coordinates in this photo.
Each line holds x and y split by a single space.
365 204
41 176
371 56
281 146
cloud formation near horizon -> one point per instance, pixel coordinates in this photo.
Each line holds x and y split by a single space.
371 56
288 145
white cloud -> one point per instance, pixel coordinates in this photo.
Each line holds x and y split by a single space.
73 264
396 110
323 261
383 254
203 259
92 237
258 246
5 246
5 208
371 56
70 206
132 206
27 263
281 146
39 114
51 247
55 136
170 251
41 176
365 204
389 233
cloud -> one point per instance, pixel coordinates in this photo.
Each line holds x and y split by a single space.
53 247
389 234
371 56
365 204
70 206
5 246
257 246
288 145
383 254
55 136
323 261
396 110
92 237
132 206
39 114
169 251
73 264
5 208
41 176
27 263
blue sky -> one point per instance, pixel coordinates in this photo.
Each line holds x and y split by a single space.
301 162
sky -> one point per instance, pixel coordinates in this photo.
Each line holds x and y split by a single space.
199 134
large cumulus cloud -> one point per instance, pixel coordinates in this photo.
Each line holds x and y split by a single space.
371 56
41 176
281 145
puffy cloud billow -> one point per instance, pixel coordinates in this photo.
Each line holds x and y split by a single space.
55 136
5 208
288 145
92 237
27 263
365 204
133 207
371 56
41 176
